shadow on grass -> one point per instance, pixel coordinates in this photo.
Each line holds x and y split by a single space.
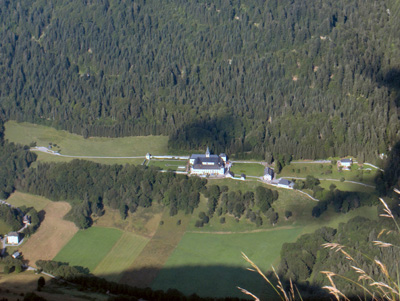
215 281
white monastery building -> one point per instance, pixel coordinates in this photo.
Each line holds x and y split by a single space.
268 174
207 164
345 163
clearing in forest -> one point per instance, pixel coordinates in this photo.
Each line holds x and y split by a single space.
88 247
72 144
18 199
52 235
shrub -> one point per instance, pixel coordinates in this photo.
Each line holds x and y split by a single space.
199 224
222 220
288 213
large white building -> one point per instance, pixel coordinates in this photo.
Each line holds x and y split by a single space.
207 164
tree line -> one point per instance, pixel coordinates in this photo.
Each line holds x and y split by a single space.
89 186
254 79
14 159
252 205
356 237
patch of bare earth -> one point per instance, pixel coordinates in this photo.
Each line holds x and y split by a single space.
52 235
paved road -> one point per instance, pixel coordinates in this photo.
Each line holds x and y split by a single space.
249 162
314 162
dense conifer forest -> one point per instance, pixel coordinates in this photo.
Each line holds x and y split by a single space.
252 78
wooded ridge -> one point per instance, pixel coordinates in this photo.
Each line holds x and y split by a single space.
257 79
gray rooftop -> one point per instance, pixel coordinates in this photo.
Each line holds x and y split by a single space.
284 182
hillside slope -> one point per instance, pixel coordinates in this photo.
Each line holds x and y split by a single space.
257 78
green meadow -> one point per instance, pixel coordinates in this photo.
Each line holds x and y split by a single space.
75 145
88 247
121 256
211 264
179 165
357 173
249 169
18 199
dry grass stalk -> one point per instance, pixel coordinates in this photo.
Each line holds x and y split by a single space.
244 291
338 248
257 269
383 268
390 290
382 232
334 291
279 286
382 244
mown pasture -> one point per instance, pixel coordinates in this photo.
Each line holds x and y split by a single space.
88 247
121 256
145 268
18 199
75 145
179 165
363 174
249 169
210 264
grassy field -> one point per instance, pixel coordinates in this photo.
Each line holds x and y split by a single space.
71 144
154 255
249 169
121 256
43 157
211 264
329 171
143 222
235 185
53 233
19 199
169 164
346 186
88 247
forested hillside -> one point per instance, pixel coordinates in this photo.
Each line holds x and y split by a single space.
252 78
